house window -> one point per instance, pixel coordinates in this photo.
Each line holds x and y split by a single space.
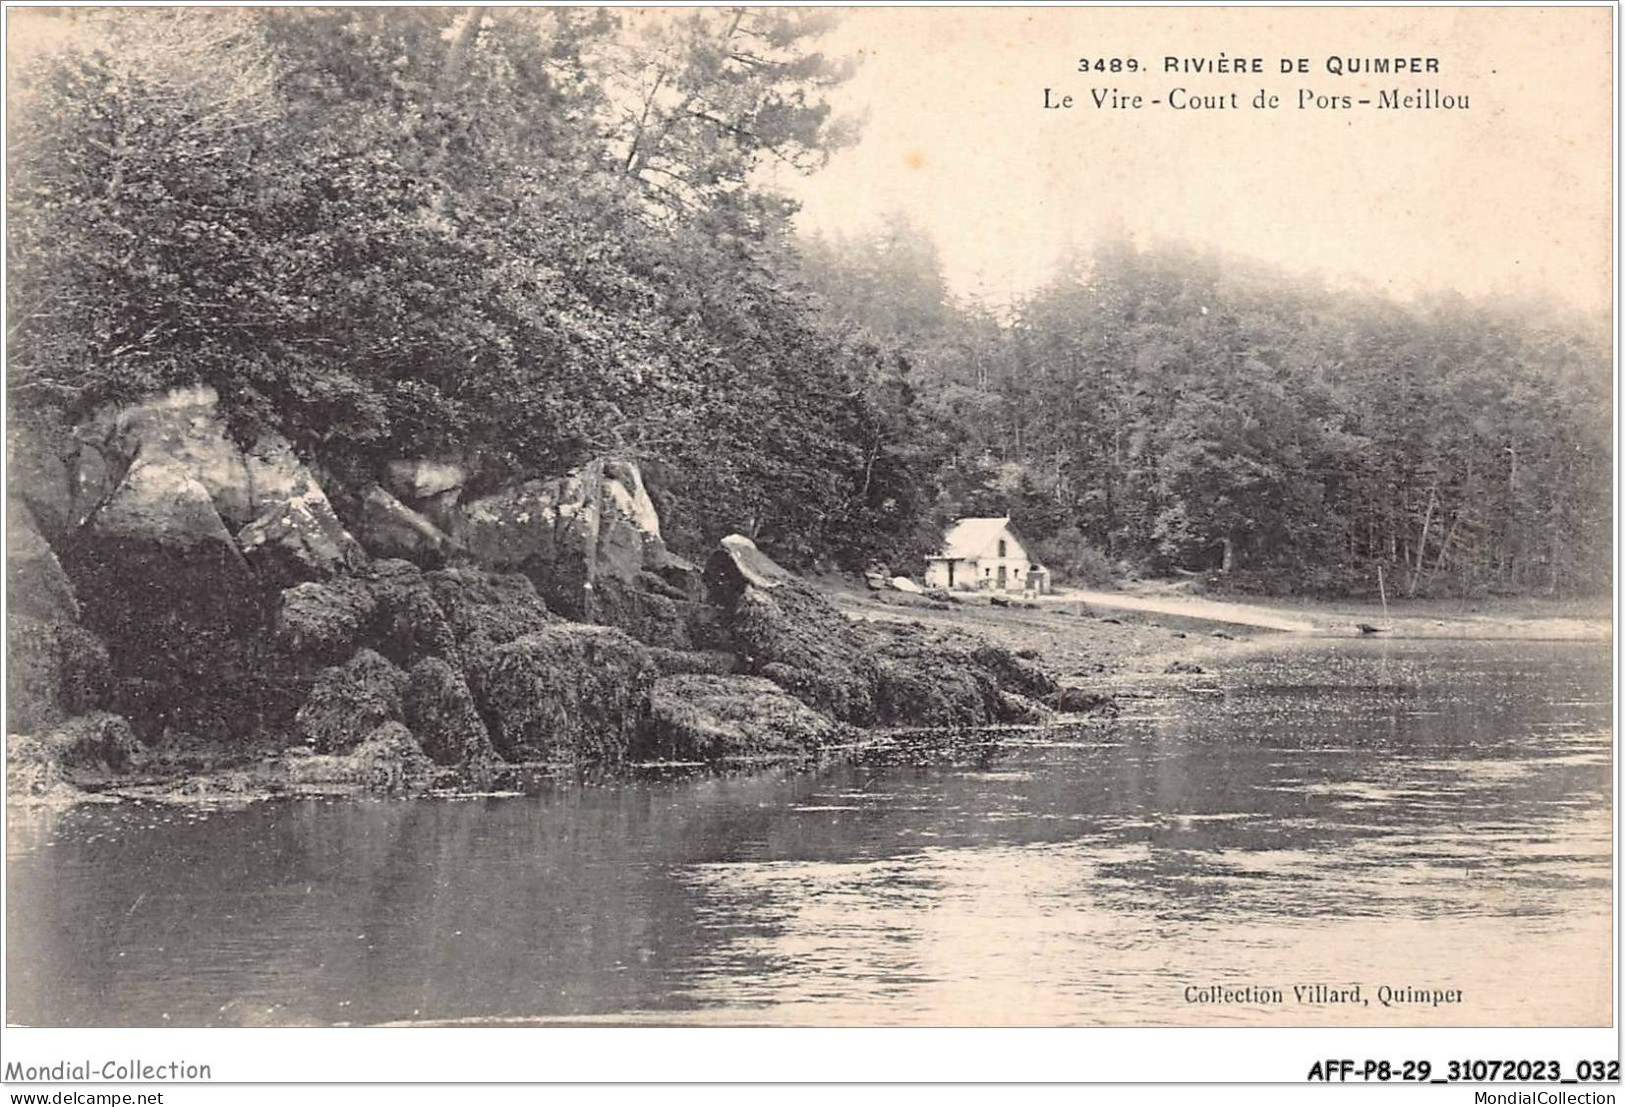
1001 547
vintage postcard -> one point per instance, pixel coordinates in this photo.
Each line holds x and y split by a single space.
559 517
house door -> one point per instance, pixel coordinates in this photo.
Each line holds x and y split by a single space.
1002 586
950 573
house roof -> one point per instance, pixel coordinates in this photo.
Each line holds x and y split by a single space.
974 537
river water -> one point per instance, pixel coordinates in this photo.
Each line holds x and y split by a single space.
1423 815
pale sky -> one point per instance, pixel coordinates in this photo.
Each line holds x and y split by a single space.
1510 195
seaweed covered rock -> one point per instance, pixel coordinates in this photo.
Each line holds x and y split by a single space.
458 615
100 742
1082 701
322 623
652 617
470 597
787 632
675 662
567 693
440 711
385 759
410 622
36 586
348 702
948 678
708 717
53 671
484 611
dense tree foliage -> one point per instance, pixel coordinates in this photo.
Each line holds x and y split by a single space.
519 236
1171 409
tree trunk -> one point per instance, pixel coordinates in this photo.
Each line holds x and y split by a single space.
1422 546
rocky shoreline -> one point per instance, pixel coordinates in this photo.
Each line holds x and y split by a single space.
192 618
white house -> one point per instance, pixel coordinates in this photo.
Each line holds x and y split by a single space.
984 554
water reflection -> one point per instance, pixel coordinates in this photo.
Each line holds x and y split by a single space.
1403 813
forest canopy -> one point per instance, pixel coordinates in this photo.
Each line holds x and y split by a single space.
527 237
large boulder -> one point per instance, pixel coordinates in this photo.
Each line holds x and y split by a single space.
54 670
99 742
294 535
386 759
893 674
567 693
440 712
350 701
709 717
167 504
162 581
590 540
946 678
179 432
784 630
472 600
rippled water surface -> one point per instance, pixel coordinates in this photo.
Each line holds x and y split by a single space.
1424 815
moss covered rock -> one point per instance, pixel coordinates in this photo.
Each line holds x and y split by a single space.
440 711
567 693
53 671
674 662
949 678
787 632
387 759
322 623
708 717
350 701
99 742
